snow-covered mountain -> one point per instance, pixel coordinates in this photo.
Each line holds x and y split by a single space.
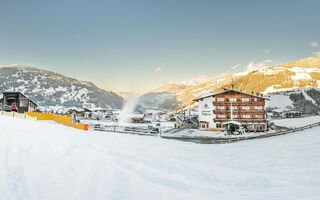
165 97
52 89
298 74
159 101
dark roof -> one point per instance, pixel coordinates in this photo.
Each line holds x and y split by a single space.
14 92
229 90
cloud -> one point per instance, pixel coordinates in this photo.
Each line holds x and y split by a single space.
236 66
314 44
317 54
158 69
255 66
267 51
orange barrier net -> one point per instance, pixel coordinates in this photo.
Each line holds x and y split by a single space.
58 118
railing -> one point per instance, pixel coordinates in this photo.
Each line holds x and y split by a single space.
17 115
206 139
125 129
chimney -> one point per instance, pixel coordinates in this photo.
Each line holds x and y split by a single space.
252 92
240 90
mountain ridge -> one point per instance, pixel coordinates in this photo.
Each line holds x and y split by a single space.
49 88
297 74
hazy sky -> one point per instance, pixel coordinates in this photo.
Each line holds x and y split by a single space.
136 45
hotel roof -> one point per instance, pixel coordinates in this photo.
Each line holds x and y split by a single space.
229 90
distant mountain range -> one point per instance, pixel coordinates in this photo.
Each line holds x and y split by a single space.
298 74
52 89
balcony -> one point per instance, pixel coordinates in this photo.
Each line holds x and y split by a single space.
238 111
241 120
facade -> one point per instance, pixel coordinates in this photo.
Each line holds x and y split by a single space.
215 110
20 101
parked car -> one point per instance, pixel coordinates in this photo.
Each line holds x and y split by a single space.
7 108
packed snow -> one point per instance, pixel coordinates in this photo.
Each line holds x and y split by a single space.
297 122
45 160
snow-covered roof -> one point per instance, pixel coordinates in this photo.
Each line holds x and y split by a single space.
228 90
152 111
233 122
99 109
75 108
279 110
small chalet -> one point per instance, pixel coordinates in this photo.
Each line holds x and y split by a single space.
74 111
19 101
285 113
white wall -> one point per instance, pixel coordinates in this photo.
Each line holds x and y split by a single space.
205 107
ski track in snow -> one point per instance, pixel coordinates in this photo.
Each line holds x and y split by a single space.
44 160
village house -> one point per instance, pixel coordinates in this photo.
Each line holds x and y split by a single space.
230 105
285 113
18 102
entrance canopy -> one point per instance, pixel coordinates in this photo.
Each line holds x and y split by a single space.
233 123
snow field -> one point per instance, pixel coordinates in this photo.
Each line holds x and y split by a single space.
296 122
45 160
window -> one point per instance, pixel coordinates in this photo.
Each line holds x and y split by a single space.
233 99
233 107
258 107
218 125
220 99
250 126
256 126
246 116
24 103
220 107
234 116
261 126
245 99
259 116
255 99
221 116
204 125
245 107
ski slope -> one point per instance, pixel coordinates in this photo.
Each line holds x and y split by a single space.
297 122
44 160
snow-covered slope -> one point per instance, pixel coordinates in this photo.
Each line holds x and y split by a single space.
298 74
159 101
279 101
43 160
51 89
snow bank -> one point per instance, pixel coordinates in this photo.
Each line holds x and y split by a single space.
297 122
44 160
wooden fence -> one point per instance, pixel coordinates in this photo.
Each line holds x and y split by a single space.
17 115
